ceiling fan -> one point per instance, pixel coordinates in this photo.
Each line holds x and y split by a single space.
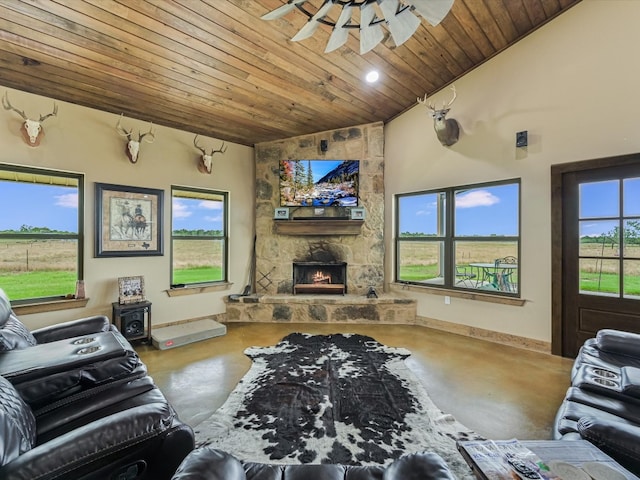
366 16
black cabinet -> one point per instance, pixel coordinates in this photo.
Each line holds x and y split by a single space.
133 320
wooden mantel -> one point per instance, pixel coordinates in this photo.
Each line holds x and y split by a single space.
318 227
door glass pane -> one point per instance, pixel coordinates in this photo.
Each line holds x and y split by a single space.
421 262
421 215
599 238
487 211
631 198
599 277
599 199
632 279
632 239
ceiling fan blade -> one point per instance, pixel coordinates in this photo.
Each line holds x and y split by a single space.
370 35
283 10
433 11
402 25
311 26
340 32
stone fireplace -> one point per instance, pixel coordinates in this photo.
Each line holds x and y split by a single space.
323 239
360 246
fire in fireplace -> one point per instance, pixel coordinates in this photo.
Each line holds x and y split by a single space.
319 277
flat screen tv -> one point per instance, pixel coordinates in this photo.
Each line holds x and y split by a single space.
319 183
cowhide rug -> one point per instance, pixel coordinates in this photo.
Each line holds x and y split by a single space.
332 399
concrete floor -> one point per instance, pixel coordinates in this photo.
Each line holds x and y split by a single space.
498 391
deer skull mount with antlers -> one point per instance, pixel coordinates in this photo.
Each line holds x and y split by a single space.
447 129
205 162
31 130
133 146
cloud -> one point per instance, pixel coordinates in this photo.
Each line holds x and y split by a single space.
180 210
209 205
213 219
476 198
68 200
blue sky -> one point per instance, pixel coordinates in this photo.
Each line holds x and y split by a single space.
321 167
57 208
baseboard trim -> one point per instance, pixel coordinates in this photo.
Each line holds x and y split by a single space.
488 335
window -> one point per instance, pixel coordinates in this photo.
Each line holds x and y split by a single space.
461 238
40 233
609 220
199 236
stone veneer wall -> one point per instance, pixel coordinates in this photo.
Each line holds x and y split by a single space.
364 253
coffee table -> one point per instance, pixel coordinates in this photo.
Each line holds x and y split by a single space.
575 452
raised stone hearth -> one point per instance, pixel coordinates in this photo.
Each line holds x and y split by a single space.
321 308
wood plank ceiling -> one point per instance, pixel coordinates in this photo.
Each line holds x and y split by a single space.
214 68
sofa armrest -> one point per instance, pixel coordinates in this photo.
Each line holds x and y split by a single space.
73 328
209 464
93 446
619 440
619 342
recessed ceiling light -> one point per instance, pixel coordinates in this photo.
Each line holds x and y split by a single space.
372 76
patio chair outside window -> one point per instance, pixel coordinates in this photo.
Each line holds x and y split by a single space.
464 273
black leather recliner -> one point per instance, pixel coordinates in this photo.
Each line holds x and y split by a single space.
129 433
14 334
602 405
210 464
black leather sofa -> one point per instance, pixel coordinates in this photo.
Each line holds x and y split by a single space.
210 464
602 405
76 403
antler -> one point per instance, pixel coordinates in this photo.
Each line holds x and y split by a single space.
52 114
222 149
423 101
195 144
204 152
453 87
120 129
150 132
7 106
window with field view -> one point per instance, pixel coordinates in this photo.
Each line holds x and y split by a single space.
40 233
609 221
199 236
461 237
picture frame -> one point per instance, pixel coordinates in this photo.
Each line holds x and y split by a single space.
131 289
357 213
281 213
128 221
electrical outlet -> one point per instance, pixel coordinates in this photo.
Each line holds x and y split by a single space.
447 300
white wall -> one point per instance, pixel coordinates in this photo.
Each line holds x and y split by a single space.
84 140
573 84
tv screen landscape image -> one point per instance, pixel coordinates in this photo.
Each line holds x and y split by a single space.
319 183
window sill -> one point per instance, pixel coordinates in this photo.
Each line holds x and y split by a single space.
196 289
49 306
482 297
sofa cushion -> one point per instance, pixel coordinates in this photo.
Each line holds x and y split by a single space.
14 335
618 342
17 424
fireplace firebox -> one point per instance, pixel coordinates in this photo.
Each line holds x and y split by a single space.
320 277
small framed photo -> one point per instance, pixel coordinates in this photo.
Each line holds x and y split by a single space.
357 213
281 214
130 289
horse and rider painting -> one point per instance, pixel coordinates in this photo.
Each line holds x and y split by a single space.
128 225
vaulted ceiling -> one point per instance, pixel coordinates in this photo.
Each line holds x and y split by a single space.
213 67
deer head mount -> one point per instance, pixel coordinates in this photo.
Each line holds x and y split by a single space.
205 161
447 129
31 130
133 146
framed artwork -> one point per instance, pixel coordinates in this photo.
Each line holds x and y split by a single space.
281 214
130 289
128 221
357 213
